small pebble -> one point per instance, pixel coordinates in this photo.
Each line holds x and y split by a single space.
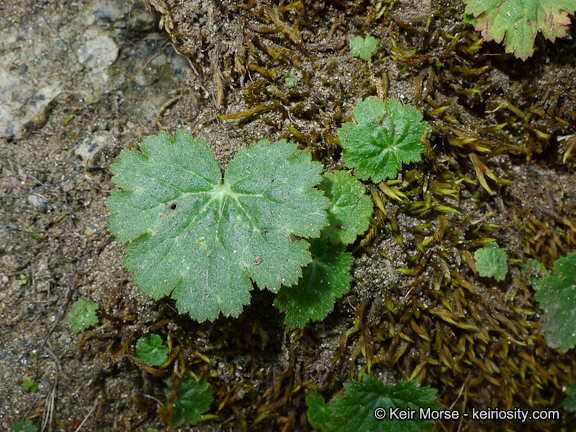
40 202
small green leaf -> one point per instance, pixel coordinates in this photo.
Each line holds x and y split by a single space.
83 315
319 414
557 296
289 80
193 398
378 151
370 110
468 19
201 237
516 22
364 402
151 350
26 426
491 261
29 386
350 208
324 280
569 403
363 48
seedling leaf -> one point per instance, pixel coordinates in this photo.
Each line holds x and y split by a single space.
363 48
557 296
356 411
324 280
364 402
491 261
319 414
468 19
151 350
289 80
26 426
378 151
193 398
516 22
201 237
29 386
83 315
350 208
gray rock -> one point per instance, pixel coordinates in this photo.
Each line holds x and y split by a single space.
40 202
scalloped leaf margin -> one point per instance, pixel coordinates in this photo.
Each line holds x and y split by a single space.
202 237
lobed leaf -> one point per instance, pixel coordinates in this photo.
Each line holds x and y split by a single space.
193 398
557 296
29 386
363 48
350 208
201 237
83 315
378 151
324 280
362 408
516 22
355 412
151 350
26 426
491 262
319 413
